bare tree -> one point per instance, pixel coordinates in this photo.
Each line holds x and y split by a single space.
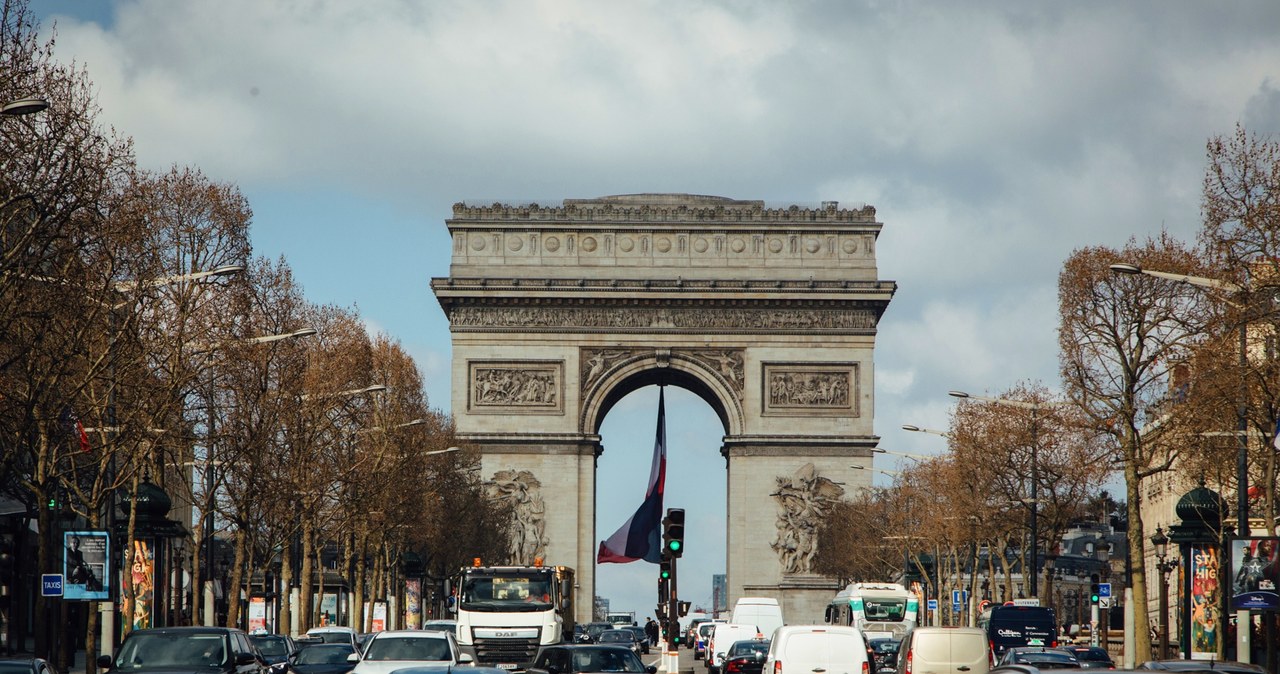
1119 335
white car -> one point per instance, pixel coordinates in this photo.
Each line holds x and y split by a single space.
335 634
399 649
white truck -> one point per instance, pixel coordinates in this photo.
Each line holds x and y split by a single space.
621 618
506 614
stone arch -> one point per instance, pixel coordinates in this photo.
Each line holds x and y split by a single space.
660 367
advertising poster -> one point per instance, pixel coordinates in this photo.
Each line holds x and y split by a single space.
1255 574
1205 600
84 566
257 615
328 609
379 616
413 604
139 579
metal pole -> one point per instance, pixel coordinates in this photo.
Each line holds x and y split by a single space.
1242 426
1035 503
1164 610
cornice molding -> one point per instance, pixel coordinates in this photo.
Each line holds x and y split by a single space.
688 209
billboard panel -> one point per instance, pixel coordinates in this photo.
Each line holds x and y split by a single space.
1255 574
84 565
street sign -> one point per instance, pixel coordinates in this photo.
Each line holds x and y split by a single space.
933 604
1104 602
51 585
1104 590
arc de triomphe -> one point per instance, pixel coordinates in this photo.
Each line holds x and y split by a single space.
768 314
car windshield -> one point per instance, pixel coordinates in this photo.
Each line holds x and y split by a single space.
616 636
606 660
883 646
1093 655
407 648
324 654
441 626
160 649
525 591
271 645
1044 657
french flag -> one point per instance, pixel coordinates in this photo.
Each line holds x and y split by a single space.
641 536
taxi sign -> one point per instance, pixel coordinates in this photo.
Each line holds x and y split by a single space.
51 585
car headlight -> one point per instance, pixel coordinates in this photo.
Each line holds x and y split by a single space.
279 667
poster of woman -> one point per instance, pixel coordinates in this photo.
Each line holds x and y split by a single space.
1205 600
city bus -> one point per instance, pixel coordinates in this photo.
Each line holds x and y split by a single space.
878 610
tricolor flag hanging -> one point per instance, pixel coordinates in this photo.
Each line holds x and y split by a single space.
641 536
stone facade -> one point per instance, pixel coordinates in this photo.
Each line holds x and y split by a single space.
769 315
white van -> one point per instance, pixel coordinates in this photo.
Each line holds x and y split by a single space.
804 649
945 650
763 612
722 637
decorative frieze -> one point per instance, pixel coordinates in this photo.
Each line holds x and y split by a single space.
728 365
804 502
515 387
661 319
810 389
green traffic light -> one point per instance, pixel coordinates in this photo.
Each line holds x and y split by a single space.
666 574
674 546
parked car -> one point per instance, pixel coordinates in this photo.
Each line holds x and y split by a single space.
801 649
1091 657
275 649
944 649
1040 657
746 657
723 635
25 665
703 635
210 650
641 636
621 637
397 649
322 658
588 659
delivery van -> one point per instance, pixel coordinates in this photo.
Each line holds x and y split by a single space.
763 612
804 649
944 650
722 637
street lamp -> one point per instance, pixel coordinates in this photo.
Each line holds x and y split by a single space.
375 388
1034 501
1242 424
890 473
24 106
880 450
1164 567
918 429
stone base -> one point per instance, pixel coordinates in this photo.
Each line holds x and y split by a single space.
803 597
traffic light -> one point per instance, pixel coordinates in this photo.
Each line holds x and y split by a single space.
673 628
673 532
684 608
1094 590
664 591
664 568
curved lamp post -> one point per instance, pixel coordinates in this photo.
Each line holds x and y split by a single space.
23 106
919 429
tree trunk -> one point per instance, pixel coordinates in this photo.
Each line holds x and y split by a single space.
358 615
236 581
286 585
306 609
1138 566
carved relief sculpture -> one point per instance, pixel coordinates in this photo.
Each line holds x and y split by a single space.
663 319
804 501
523 493
528 387
805 389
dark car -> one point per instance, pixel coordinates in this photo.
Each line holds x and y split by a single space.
746 657
1230 667
588 659
26 666
594 629
884 653
209 650
1091 657
1040 657
641 636
620 637
275 649
322 659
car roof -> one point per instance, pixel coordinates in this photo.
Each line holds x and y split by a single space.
420 634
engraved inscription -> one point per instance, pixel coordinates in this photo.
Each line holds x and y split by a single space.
675 318
807 389
516 386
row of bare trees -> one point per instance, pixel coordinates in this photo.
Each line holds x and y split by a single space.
1157 376
141 340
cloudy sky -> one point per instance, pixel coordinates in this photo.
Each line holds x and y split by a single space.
993 139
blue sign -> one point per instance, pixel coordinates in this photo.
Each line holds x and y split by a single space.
1104 590
933 604
51 585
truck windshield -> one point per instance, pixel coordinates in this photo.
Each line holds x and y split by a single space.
518 592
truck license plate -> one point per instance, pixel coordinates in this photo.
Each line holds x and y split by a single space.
507 665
